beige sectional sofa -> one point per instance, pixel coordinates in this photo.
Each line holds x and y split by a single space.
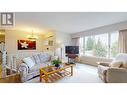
91 60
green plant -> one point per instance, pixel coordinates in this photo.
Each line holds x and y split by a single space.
56 62
114 49
90 43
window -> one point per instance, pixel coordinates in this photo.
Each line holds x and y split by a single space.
114 44
81 46
102 45
96 45
89 45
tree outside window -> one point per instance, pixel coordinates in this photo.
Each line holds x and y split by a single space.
98 45
90 43
100 49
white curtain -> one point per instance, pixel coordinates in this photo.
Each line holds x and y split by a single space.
123 41
75 41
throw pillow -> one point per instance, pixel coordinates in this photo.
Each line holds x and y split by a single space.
54 58
116 64
29 62
37 59
44 57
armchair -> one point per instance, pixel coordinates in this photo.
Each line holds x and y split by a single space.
111 74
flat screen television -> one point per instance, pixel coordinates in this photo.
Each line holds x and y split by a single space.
72 49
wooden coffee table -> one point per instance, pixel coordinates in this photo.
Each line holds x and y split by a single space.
51 73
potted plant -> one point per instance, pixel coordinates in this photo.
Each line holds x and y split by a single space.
56 63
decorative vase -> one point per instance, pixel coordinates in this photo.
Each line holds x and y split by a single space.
57 65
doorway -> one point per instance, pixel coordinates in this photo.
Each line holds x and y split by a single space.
2 48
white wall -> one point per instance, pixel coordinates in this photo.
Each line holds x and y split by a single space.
64 38
11 37
103 29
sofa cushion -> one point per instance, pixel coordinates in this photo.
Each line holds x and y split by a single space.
33 59
37 67
54 58
29 62
37 59
116 64
44 57
121 57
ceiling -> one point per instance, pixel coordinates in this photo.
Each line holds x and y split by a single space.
69 22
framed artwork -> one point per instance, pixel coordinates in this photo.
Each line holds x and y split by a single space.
26 45
50 43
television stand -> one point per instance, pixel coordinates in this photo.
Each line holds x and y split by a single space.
71 58
71 62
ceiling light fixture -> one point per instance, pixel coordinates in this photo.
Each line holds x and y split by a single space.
32 36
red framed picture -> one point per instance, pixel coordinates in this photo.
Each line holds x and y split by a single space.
26 45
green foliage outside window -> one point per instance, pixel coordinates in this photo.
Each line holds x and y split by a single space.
95 46
100 49
89 43
114 49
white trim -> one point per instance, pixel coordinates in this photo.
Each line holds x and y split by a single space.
109 45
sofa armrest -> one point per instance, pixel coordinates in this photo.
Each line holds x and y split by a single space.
117 75
23 67
23 70
103 63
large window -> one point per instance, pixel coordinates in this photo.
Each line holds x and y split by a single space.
103 45
114 44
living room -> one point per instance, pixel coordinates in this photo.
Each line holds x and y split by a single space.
45 36
63 47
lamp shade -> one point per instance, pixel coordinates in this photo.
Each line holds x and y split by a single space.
32 36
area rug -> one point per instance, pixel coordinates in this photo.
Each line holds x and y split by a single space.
82 74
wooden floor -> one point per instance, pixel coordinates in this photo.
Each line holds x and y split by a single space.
15 78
